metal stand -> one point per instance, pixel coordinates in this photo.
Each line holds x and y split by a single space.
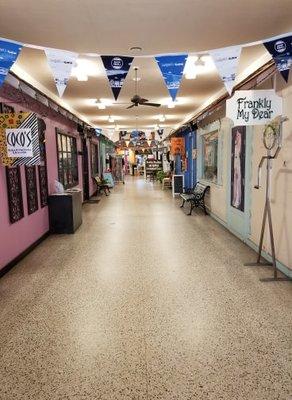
267 209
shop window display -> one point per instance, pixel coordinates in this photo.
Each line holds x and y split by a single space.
67 160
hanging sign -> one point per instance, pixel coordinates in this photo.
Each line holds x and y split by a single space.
172 68
281 51
226 61
117 68
9 52
253 107
98 131
61 63
19 142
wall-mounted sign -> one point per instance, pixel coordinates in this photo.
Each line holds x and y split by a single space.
177 146
19 139
19 142
253 107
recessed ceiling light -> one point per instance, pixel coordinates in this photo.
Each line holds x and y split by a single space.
81 77
136 48
101 106
171 104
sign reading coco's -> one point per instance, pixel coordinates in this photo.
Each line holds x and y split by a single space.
19 142
253 107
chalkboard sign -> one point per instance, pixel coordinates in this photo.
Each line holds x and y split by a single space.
177 184
153 165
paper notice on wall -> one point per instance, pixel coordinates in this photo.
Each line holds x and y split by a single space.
9 52
253 107
61 63
226 61
281 51
172 68
19 142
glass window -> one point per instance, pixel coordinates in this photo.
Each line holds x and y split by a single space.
210 156
67 159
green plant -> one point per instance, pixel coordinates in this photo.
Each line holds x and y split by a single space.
160 175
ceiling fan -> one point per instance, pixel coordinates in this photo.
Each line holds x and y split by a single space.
136 99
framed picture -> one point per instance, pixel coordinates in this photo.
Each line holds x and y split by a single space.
6 109
238 137
210 156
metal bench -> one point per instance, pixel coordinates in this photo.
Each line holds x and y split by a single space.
102 185
196 197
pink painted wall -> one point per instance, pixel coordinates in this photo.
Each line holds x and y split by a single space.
16 238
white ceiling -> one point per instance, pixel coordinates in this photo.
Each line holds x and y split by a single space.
163 26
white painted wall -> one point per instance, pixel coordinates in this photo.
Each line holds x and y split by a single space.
281 181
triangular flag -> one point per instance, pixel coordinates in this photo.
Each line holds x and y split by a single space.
117 68
172 68
9 52
61 63
226 61
281 51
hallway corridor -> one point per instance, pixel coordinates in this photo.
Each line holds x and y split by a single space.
143 302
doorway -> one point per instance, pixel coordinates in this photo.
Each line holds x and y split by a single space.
239 181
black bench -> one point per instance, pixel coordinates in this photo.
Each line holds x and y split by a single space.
195 196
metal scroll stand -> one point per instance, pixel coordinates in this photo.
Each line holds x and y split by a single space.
272 137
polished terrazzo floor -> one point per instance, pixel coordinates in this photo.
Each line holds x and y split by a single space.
143 302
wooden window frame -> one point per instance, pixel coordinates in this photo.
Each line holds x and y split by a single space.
72 178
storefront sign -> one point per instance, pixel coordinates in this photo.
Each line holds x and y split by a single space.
8 54
117 68
253 107
281 51
226 61
172 68
19 139
19 143
61 63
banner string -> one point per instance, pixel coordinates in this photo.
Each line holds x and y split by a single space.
249 44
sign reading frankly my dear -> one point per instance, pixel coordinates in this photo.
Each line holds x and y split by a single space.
253 107
19 142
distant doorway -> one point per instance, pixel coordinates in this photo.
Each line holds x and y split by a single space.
85 170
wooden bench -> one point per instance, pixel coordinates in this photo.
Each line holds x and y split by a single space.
196 197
